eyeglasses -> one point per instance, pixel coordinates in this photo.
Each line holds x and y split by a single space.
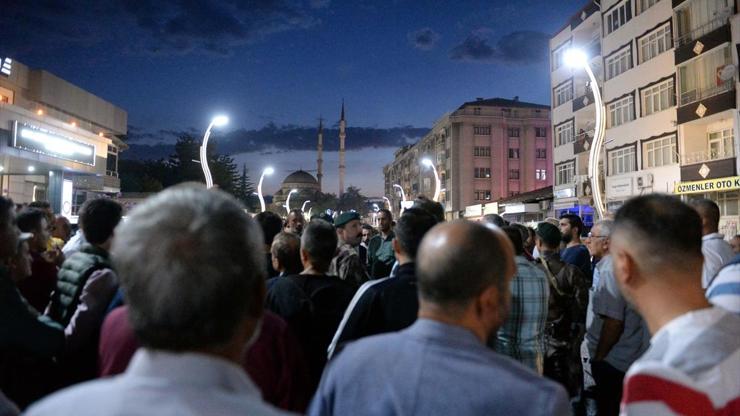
597 236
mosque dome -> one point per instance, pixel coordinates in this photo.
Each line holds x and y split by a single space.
300 177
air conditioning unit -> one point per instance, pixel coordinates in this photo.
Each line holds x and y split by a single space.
645 180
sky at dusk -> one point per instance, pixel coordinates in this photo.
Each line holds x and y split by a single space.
173 64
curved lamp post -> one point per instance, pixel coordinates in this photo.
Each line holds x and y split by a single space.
388 201
287 200
217 121
437 183
303 207
403 197
575 58
267 171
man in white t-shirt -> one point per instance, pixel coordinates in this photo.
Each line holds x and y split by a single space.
717 252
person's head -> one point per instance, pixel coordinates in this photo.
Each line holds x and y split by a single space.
367 233
656 247
515 236
494 219
523 231
547 237
434 208
295 222
599 238
46 207
409 230
529 242
98 219
33 220
709 213
318 245
463 271
270 223
20 263
571 227
385 221
62 228
286 253
349 228
735 243
8 229
192 271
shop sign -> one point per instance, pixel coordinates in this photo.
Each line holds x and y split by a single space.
712 185
474 210
490 208
38 140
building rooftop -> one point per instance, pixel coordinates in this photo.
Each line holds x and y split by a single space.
300 176
503 102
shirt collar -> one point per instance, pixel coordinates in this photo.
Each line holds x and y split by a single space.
446 333
713 236
193 369
681 321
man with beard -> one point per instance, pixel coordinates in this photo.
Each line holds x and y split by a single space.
380 250
347 264
575 252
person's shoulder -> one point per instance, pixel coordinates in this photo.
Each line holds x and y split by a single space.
93 394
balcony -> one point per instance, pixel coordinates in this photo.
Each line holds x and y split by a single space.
715 169
706 156
700 103
711 34
582 143
584 14
584 100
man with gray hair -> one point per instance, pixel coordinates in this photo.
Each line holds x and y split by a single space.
192 270
440 365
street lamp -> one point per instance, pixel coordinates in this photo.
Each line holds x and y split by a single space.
217 121
287 200
576 58
388 201
267 171
437 184
403 197
303 207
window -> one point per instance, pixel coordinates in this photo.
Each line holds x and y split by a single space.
643 5
699 79
513 173
563 93
513 132
482 173
618 62
540 174
111 162
564 133
622 160
699 17
540 132
513 153
557 55
618 16
482 130
728 203
658 98
655 43
620 112
476 111
482 151
541 153
513 193
721 144
660 152
484 195
564 173
4 99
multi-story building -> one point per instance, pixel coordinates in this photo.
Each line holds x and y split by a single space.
667 73
58 142
484 151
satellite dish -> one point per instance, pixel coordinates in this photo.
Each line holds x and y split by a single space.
727 72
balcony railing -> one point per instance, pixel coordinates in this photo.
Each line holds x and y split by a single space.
721 19
706 156
694 95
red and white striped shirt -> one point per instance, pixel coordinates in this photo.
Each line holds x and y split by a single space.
691 368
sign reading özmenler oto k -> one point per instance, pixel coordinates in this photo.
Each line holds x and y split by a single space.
711 185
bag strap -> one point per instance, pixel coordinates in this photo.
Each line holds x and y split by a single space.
551 277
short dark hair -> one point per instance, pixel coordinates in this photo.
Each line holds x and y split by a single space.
6 204
297 212
411 228
494 219
286 247
575 222
386 211
271 225
434 208
668 228
707 209
515 235
29 219
98 218
43 205
367 227
319 240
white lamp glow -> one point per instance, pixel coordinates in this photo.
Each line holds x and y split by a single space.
265 172
437 183
217 121
575 58
287 200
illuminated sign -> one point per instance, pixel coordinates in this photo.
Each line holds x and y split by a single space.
38 140
6 66
730 183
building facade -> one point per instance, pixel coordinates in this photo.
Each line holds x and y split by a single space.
667 72
58 142
485 150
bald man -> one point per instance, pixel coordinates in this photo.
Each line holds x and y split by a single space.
440 365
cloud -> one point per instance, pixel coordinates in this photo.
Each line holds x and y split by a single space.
519 47
424 39
153 26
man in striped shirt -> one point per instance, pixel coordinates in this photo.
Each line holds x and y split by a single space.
693 363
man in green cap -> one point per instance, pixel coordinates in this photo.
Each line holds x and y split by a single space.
347 264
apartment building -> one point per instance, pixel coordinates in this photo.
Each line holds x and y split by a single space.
485 150
667 72
58 142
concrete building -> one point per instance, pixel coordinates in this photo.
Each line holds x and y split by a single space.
667 71
58 142
485 150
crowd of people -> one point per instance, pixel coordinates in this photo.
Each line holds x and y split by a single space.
191 306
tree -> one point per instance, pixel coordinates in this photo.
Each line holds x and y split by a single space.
244 189
352 199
